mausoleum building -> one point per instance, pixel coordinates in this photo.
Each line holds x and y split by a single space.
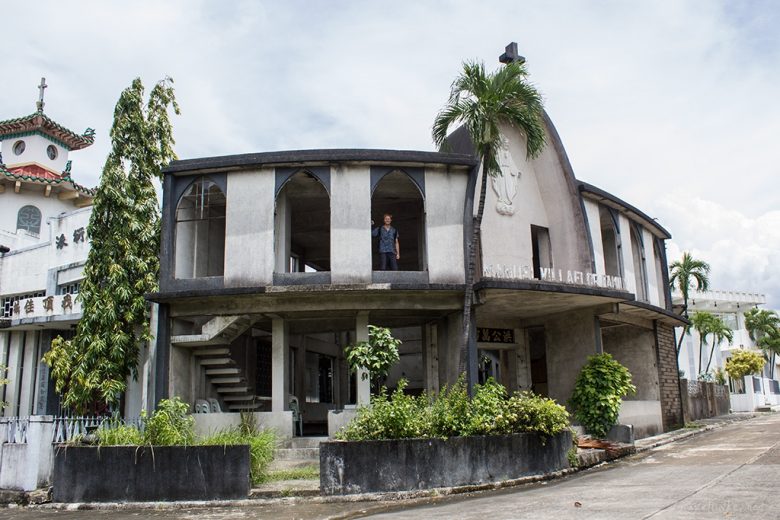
269 271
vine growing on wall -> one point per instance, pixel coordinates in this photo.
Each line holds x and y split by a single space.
91 370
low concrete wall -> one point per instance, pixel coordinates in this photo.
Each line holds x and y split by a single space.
409 464
702 400
132 473
644 416
280 422
27 465
337 419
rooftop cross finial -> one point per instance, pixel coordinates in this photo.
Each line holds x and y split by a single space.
40 102
510 55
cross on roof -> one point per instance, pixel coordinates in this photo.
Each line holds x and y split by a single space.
40 102
511 55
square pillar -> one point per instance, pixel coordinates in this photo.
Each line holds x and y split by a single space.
280 360
363 385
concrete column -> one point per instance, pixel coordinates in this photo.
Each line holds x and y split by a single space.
363 385
280 360
522 364
162 356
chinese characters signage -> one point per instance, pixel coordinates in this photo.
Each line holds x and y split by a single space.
485 335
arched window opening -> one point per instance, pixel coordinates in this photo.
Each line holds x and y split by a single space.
640 269
29 219
200 231
397 195
610 242
302 227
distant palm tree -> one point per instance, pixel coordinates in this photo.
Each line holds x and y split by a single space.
704 323
719 331
484 103
684 273
763 326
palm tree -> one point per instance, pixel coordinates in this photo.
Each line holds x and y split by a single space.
704 324
719 331
484 103
684 273
763 327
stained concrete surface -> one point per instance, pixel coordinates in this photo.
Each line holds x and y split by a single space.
729 473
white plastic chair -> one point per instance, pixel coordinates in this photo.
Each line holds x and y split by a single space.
295 407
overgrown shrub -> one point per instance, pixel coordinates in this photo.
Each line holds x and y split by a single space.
451 413
598 392
170 424
115 433
744 362
261 444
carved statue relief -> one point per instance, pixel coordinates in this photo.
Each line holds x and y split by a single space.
505 185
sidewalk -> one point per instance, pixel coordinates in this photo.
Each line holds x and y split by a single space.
300 493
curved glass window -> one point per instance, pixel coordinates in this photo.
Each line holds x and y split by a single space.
200 231
29 219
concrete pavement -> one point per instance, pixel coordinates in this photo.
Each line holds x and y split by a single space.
731 472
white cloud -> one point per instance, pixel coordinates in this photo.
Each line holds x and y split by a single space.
652 99
743 252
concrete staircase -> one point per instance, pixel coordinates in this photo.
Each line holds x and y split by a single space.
297 453
212 349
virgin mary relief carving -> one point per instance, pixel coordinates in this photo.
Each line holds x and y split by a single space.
505 185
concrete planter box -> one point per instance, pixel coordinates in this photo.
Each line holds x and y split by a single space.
413 464
136 474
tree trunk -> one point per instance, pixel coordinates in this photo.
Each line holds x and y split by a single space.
712 352
685 328
468 296
701 349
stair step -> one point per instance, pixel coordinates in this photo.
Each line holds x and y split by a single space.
212 352
241 397
312 454
227 380
222 371
216 361
306 442
233 389
245 406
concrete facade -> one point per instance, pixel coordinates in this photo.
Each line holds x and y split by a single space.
566 271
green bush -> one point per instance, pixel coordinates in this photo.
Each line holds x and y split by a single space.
451 413
170 424
115 433
262 444
744 362
598 392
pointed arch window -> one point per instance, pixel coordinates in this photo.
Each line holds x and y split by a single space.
29 219
200 231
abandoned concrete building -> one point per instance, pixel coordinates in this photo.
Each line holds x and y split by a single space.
269 270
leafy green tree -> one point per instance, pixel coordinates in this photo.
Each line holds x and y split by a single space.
91 370
742 363
485 103
720 331
684 274
376 355
704 323
763 326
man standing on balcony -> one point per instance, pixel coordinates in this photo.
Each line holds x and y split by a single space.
389 247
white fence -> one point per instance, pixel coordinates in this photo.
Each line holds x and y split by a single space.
755 393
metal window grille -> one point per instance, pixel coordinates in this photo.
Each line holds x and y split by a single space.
69 288
8 301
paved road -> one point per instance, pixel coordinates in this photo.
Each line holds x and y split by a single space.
731 473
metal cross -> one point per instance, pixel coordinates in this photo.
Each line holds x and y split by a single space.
511 55
40 102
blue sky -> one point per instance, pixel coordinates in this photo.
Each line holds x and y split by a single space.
670 105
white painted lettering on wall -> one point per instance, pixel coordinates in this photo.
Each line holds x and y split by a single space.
549 274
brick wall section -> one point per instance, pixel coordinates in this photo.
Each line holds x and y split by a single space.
668 377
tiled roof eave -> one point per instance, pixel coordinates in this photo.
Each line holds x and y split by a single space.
43 123
63 181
